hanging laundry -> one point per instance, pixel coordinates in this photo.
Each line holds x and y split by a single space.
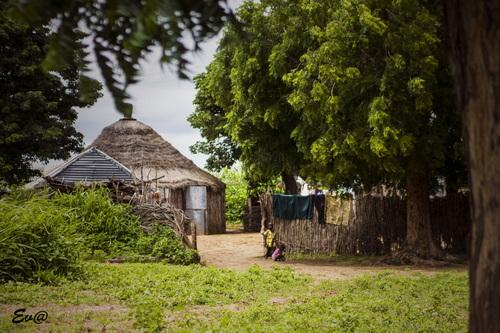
291 207
319 204
337 210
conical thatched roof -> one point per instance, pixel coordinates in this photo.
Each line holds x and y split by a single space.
149 156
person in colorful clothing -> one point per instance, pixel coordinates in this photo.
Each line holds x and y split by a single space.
269 240
279 253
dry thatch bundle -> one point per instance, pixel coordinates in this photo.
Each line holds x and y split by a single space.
149 156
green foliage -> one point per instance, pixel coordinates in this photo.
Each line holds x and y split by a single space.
36 241
123 33
236 194
380 303
349 94
241 98
163 243
106 226
200 299
43 236
380 78
37 108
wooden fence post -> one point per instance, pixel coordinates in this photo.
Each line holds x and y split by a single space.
193 235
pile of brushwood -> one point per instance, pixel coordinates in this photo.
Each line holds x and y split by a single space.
45 236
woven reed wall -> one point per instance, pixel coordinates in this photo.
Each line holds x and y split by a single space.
377 225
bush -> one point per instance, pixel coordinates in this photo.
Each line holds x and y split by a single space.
43 236
236 194
36 242
106 226
164 244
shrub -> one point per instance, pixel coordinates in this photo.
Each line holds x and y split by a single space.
43 236
236 194
164 244
36 242
106 226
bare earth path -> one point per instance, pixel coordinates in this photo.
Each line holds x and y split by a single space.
240 251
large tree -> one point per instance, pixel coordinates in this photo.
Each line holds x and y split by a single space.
381 82
37 111
474 35
123 33
242 92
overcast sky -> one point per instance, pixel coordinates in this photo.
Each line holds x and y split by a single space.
160 100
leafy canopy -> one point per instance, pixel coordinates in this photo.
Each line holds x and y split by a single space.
347 93
374 97
37 112
122 33
241 103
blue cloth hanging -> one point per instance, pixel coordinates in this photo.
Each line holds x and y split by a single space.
291 207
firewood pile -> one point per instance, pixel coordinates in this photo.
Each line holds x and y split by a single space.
166 214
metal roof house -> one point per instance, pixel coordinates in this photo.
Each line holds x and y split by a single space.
91 166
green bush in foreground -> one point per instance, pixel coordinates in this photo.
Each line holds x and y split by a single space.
36 241
106 226
43 236
163 243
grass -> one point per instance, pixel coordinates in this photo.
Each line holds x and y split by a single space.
161 297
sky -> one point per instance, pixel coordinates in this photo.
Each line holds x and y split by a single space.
160 99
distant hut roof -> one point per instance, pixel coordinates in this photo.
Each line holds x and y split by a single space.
92 165
140 148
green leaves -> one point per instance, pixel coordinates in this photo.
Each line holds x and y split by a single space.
346 93
236 194
37 108
122 34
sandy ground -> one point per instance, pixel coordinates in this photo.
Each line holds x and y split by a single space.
240 251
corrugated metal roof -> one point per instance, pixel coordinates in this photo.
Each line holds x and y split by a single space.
92 165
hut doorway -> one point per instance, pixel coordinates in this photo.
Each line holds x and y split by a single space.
196 207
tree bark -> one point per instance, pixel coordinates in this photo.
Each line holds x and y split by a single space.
418 222
474 40
290 183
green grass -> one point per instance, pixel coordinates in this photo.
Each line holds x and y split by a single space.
160 297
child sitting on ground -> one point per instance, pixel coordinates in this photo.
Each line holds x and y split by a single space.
279 253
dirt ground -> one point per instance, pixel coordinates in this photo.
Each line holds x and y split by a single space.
237 250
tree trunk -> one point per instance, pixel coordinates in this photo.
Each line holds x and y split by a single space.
474 37
418 222
290 183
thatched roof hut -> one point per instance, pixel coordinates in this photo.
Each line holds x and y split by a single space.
140 148
178 180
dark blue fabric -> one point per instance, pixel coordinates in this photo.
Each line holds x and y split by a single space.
291 207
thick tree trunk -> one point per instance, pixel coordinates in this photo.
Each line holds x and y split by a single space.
290 183
418 222
474 37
